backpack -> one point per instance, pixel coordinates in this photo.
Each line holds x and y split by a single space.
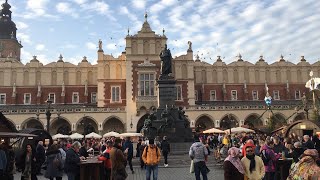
148 148
265 157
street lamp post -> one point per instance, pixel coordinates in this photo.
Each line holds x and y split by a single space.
48 114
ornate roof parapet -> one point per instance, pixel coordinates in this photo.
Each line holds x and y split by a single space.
34 59
302 59
60 58
239 57
197 58
281 59
261 58
219 59
147 63
84 59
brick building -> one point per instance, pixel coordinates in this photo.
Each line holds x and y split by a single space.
117 93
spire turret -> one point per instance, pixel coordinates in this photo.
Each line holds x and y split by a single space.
7 26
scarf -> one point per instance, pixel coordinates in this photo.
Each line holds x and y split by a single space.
252 162
234 159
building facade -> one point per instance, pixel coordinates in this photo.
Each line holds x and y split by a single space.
117 93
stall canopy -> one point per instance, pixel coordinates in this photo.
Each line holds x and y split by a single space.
238 130
131 135
60 136
76 136
111 134
15 135
93 135
213 130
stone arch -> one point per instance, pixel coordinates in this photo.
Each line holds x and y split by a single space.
54 77
107 71
143 110
277 120
204 122
253 121
78 77
60 125
229 121
26 78
113 123
86 125
118 72
66 77
90 78
141 122
299 116
184 71
11 123
32 123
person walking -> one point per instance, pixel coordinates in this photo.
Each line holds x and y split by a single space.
40 156
71 166
141 148
54 163
28 165
233 168
199 154
3 161
151 157
105 157
269 158
253 165
127 145
118 160
165 148
138 148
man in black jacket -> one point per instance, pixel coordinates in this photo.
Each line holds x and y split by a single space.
40 156
165 148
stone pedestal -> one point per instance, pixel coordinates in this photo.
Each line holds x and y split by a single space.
167 93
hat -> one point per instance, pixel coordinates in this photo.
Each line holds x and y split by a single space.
151 141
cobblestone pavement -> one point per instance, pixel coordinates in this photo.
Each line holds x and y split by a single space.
178 170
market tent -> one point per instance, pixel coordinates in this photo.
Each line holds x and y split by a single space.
76 136
131 135
238 130
60 136
93 135
213 130
111 134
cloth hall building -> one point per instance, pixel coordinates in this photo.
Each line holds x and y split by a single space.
117 93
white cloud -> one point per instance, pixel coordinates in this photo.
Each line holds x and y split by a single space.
37 8
139 4
66 8
21 25
24 38
80 1
91 46
40 47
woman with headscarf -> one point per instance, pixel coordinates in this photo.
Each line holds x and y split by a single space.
306 168
233 168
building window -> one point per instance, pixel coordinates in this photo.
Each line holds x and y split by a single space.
27 98
115 94
179 93
2 98
276 95
75 97
196 95
52 97
213 95
255 95
93 97
146 84
234 95
297 94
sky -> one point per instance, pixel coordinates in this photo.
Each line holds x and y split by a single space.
48 28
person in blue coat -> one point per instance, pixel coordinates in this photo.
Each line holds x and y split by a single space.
128 150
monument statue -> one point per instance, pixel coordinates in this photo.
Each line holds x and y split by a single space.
100 45
166 58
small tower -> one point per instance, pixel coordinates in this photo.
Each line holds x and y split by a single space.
9 45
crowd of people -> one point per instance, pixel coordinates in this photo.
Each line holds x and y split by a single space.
257 156
64 157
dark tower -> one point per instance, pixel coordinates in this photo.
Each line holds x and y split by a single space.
9 45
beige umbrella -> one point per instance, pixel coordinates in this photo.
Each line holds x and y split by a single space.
213 130
76 136
111 134
238 130
59 136
131 135
93 135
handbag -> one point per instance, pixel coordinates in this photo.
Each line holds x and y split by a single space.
191 167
